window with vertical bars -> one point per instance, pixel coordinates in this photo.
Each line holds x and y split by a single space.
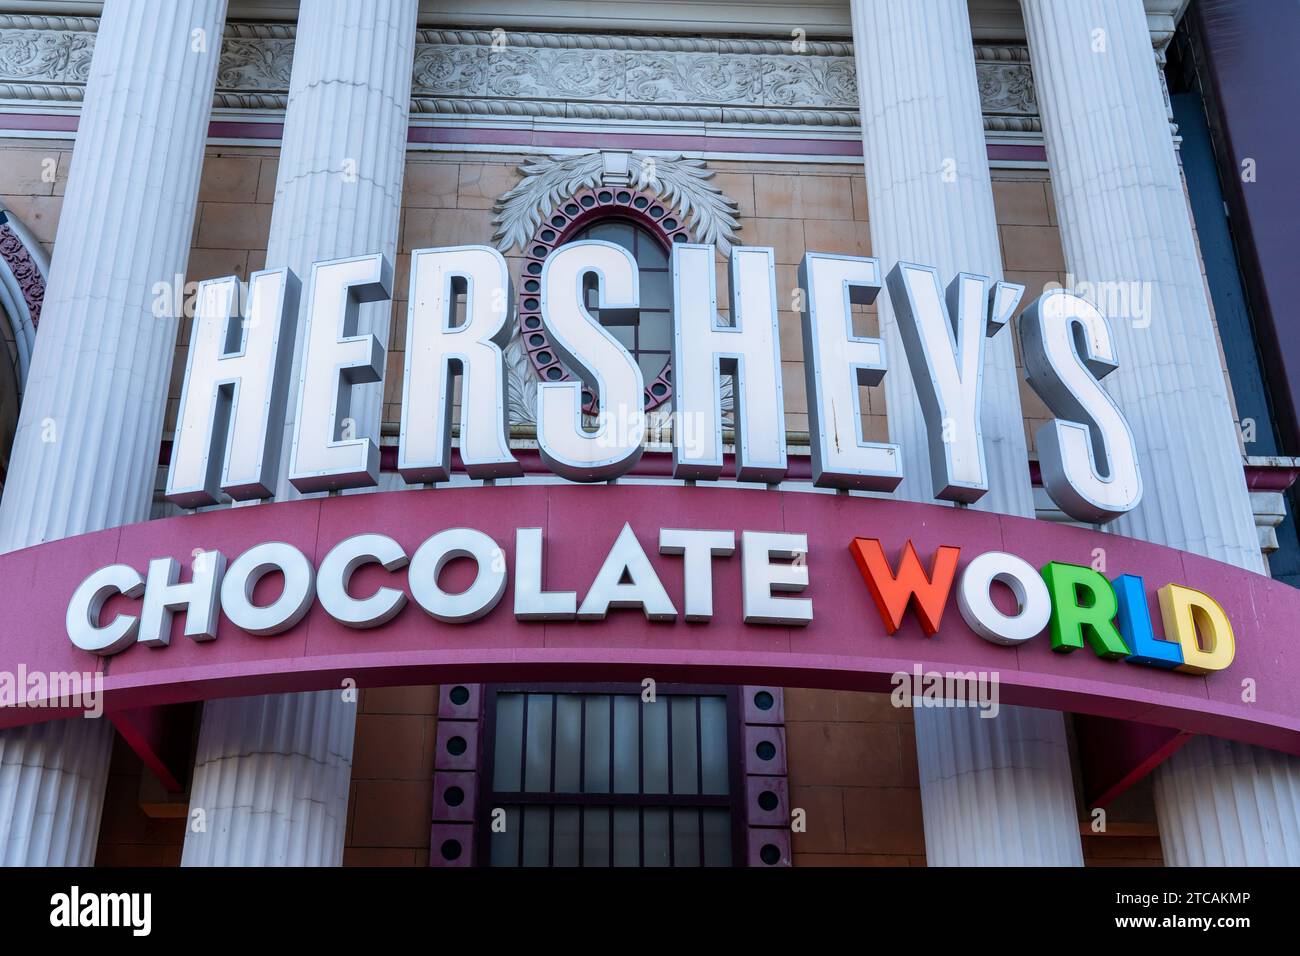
595 776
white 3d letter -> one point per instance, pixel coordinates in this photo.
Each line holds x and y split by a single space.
944 342
335 358
837 364
748 349
1087 454
236 383
627 559
437 351
335 573
761 578
164 594
698 549
531 602
82 620
597 358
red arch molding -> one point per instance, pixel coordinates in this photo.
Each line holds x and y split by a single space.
845 647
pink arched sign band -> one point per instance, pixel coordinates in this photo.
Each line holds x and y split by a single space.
846 644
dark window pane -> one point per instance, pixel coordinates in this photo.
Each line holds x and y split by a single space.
654 820
619 233
649 254
595 836
566 836
686 776
568 742
597 744
686 836
508 749
537 773
717 838
655 331
627 750
627 836
505 846
654 740
651 365
537 836
656 291
713 744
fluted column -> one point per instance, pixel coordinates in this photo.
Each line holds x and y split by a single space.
338 191
272 774
1224 803
86 449
993 791
1124 219
997 792
52 779
271 781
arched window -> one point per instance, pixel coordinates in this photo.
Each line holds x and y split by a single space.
640 222
651 340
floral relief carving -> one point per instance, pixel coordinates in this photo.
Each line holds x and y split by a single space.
46 56
1006 87
688 78
681 184
255 64
810 81
542 73
447 70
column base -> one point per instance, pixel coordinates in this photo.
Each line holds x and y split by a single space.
996 791
271 779
1224 803
52 781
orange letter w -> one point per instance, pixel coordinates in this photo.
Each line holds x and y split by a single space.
892 592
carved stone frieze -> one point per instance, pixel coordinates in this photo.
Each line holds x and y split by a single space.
572 76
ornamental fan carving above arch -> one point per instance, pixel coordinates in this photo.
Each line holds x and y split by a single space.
681 184
671 195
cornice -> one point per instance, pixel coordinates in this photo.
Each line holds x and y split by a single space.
991 20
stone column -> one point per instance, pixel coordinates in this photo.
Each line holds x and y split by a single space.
271 779
86 451
272 773
1124 219
993 791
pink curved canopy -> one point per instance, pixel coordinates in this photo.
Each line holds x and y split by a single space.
844 647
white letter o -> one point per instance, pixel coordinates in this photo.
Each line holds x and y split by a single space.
476 600
1033 602
249 568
